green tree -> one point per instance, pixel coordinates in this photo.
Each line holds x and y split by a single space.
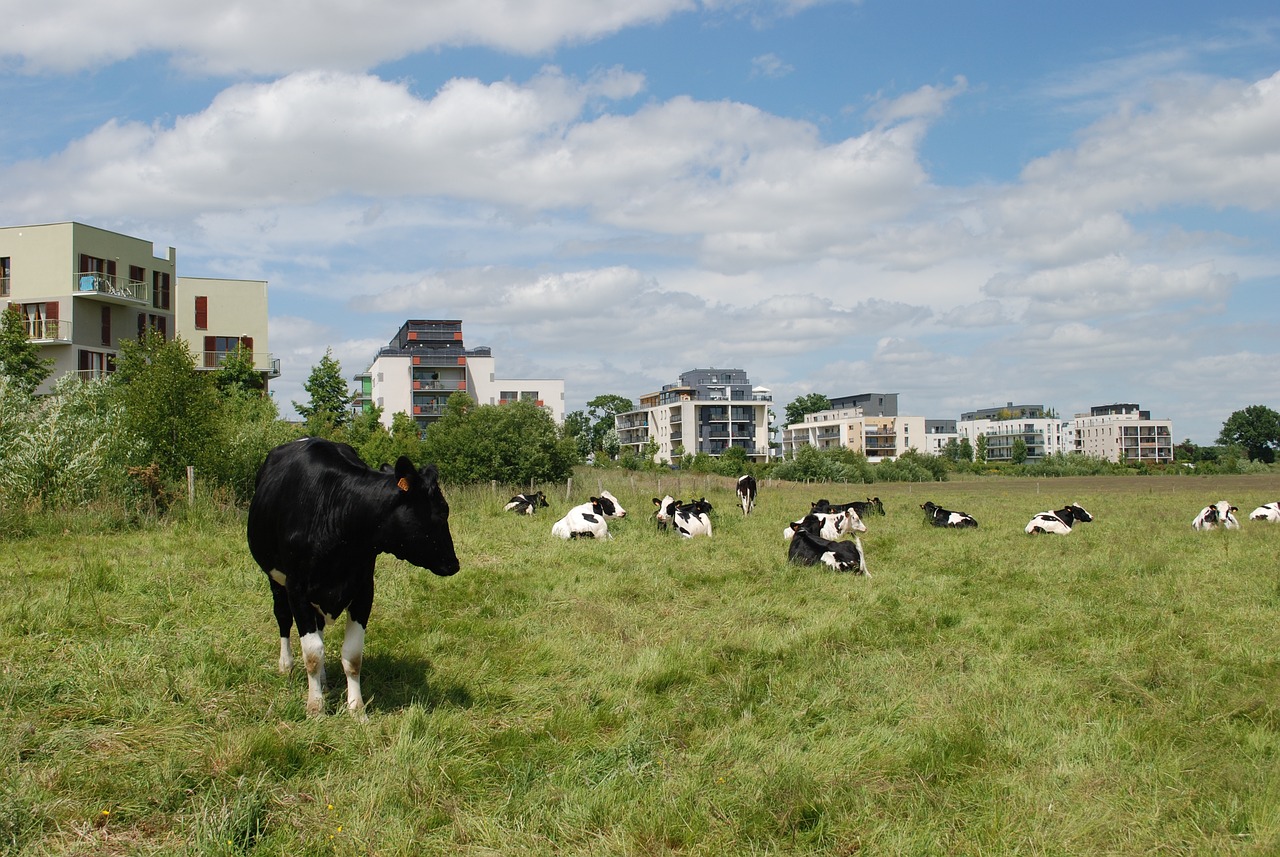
167 403
965 451
980 454
951 450
733 461
1018 451
1256 429
513 443
330 405
237 373
577 425
809 404
20 358
600 413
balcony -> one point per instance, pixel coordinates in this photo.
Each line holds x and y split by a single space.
262 361
47 330
4 287
112 288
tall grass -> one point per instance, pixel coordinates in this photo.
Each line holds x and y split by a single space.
1114 691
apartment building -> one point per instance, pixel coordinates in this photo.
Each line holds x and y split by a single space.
868 423
217 316
1122 432
708 410
1043 433
427 362
84 290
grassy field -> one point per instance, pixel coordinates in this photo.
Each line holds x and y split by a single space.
1114 691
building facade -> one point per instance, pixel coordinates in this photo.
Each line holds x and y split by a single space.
1123 432
427 362
217 316
82 291
1042 433
708 410
868 423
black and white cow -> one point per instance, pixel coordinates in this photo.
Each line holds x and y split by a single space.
833 524
317 522
1059 521
1220 513
1267 512
808 547
689 519
747 493
941 517
590 519
869 506
526 504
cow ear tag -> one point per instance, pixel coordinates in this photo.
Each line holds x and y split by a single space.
403 484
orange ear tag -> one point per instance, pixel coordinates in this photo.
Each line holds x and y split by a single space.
403 484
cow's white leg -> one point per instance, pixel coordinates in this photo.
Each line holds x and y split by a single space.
313 658
286 655
352 657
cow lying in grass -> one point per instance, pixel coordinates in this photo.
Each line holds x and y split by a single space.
808 547
1059 521
1219 514
832 525
589 520
1268 512
526 504
688 519
941 517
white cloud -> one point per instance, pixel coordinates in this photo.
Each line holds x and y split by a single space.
770 66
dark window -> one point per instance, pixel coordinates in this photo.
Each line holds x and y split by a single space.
160 290
106 325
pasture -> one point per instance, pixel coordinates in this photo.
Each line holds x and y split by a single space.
1114 691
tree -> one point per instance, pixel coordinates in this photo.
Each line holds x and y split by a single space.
1018 451
20 358
577 425
965 452
980 454
236 372
513 443
809 404
168 404
330 404
600 412
1256 429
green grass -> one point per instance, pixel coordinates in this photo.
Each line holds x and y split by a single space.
1115 691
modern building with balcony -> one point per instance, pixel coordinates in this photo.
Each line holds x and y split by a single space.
1123 432
868 423
709 410
426 362
82 291
216 316
1043 433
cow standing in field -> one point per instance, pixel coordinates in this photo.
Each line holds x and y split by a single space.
1220 513
1267 512
941 517
1059 521
526 504
808 547
589 520
747 493
317 522
833 525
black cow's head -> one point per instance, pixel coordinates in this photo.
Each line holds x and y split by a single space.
417 530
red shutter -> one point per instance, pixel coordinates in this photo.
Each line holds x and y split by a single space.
202 312
106 325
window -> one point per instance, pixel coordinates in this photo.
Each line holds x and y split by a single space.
138 275
216 348
160 290
96 275
5 272
94 364
158 323
106 325
41 320
202 312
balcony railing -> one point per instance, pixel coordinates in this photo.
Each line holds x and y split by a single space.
262 361
111 285
47 330
4 287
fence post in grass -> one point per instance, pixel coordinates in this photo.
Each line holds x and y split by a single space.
568 488
191 485
493 487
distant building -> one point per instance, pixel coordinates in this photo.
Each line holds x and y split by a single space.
82 291
1043 433
709 410
1123 432
868 423
426 362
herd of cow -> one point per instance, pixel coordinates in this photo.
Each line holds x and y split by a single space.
319 555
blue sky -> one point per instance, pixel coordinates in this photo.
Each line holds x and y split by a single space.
967 204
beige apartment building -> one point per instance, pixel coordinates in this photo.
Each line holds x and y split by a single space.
1123 432
82 291
709 410
868 423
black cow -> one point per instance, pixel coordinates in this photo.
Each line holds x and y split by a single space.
941 517
747 493
871 505
317 522
809 548
526 504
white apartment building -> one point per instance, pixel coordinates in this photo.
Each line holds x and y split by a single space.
427 362
82 291
868 423
1043 434
709 410
1123 432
